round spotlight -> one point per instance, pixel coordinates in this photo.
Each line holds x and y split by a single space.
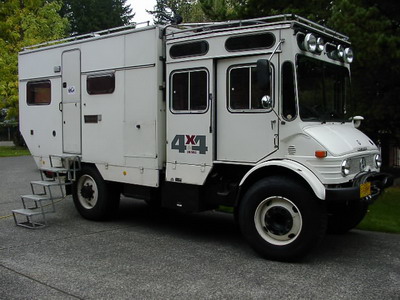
340 52
348 55
310 42
320 45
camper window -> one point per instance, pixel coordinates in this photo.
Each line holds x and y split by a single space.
100 84
250 42
38 92
244 92
189 91
189 49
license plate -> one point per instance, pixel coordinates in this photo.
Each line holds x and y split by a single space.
365 189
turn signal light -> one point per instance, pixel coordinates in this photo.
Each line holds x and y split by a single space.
320 154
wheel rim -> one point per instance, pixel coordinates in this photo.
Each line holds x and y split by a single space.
87 191
278 220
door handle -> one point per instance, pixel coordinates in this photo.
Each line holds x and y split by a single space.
60 106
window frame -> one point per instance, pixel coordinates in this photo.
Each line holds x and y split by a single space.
188 111
100 75
228 89
37 82
202 53
249 35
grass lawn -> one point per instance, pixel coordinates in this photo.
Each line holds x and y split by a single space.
384 214
6 151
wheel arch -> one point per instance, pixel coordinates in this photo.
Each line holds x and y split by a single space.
287 168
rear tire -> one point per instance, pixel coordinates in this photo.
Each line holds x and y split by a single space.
94 198
281 219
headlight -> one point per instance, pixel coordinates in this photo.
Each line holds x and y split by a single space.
348 55
310 42
378 160
345 167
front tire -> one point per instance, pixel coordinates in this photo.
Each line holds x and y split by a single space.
281 219
94 198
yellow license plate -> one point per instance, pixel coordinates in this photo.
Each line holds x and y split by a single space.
365 189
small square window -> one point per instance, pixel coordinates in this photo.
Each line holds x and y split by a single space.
100 84
38 92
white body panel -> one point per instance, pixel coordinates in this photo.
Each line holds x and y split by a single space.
126 141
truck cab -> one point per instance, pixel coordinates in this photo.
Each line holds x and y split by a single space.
270 128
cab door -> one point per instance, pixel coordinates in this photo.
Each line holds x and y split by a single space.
189 121
247 130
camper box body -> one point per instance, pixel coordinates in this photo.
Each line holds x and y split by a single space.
120 126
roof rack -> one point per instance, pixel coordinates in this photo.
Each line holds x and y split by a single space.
88 35
196 28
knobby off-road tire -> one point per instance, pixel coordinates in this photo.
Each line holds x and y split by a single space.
346 216
281 219
94 198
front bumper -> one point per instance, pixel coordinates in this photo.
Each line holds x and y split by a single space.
379 181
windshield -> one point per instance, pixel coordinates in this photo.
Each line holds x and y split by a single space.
323 90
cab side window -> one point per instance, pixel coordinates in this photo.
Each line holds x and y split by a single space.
189 91
289 111
244 92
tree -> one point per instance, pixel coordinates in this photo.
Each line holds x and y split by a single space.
219 10
94 15
165 10
23 23
373 27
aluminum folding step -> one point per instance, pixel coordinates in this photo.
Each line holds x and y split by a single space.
29 215
34 214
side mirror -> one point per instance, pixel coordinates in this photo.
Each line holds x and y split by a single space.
266 102
357 121
263 73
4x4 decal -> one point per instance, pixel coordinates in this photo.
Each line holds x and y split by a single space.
190 144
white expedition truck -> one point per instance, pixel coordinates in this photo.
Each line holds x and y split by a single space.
252 114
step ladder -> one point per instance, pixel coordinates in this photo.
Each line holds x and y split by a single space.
45 192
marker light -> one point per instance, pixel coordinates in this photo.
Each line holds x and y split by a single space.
310 42
320 154
320 45
348 55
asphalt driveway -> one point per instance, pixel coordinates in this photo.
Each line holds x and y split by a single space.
144 254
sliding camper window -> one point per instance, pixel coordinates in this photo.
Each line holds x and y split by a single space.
250 42
98 84
189 49
189 91
244 92
38 92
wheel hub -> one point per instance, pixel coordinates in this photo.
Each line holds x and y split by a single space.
278 220
87 191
